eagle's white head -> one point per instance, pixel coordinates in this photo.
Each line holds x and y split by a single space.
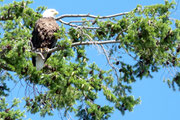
50 13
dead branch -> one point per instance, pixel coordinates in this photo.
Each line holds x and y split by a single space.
87 16
85 43
108 60
78 21
5 67
95 42
90 16
129 54
73 25
89 37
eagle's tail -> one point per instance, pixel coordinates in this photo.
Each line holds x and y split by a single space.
40 61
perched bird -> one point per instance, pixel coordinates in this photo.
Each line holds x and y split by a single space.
43 37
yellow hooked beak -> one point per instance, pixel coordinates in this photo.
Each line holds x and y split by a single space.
56 13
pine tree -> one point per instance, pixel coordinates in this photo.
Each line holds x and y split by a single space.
147 35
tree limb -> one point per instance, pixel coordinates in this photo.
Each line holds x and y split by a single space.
5 67
85 43
90 16
78 21
73 25
85 15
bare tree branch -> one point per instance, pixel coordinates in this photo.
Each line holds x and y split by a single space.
85 43
85 15
90 16
109 61
78 21
73 25
95 42
5 67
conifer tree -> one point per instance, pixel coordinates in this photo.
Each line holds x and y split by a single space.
70 82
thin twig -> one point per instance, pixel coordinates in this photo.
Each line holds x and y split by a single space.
109 61
129 54
60 115
88 36
69 116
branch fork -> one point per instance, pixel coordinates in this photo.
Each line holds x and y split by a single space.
85 16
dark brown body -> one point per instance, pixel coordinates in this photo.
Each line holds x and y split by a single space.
43 35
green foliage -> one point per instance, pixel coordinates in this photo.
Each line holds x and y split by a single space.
69 80
8 112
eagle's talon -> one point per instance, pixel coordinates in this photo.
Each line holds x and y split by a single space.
39 50
46 49
43 49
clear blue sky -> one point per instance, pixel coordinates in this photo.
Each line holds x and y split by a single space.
159 102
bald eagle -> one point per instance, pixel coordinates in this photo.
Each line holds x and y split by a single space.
43 36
